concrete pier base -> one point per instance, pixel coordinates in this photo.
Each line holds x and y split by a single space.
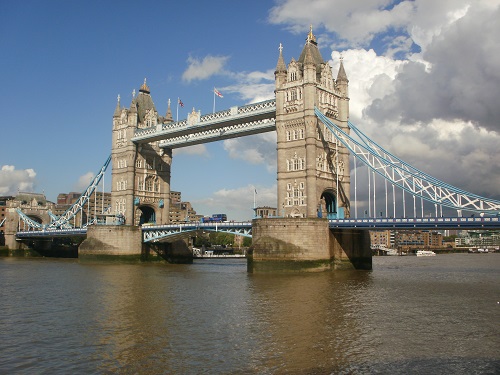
124 243
306 244
112 242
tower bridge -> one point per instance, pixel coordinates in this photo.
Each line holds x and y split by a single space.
318 227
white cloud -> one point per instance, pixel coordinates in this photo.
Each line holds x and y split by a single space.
202 69
253 86
199 150
12 180
83 182
354 21
238 202
256 149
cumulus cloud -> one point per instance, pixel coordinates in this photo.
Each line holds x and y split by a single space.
256 149
198 150
253 86
205 68
83 182
354 22
12 180
463 81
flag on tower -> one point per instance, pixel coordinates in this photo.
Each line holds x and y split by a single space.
216 92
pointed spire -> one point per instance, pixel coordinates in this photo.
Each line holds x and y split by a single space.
144 88
118 108
310 52
311 38
281 66
168 115
342 76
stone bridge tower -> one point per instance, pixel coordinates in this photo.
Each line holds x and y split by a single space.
140 188
313 170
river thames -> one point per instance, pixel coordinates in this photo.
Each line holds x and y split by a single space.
409 315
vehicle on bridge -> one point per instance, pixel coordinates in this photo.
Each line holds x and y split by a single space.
215 218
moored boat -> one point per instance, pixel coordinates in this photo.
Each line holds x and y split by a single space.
425 253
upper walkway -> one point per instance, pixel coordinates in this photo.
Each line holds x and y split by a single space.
231 123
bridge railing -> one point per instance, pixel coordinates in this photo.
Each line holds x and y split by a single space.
267 106
437 222
52 233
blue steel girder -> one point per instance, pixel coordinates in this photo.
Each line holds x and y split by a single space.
406 177
64 219
159 232
29 221
231 123
55 218
52 233
478 223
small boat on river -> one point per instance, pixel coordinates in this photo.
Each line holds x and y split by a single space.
425 253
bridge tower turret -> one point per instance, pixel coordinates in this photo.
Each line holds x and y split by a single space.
140 189
313 170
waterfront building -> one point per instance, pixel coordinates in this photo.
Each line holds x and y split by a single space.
478 239
408 240
380 239
405 240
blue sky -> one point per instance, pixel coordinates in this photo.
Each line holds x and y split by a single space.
424 83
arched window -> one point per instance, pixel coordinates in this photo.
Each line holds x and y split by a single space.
149 183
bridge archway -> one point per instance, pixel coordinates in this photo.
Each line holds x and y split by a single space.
328 205
146 215
36 218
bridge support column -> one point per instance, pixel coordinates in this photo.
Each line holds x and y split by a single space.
112 242
124 243
306 244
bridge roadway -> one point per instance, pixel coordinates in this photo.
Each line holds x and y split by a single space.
234 122
153 233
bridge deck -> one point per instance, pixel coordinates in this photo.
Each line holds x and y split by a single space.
155 232
419 223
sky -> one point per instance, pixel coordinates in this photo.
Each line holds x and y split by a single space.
424 82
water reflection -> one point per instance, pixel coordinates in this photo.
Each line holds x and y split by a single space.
309 320
406 316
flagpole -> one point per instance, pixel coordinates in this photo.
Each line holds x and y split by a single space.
178 100
254 201
213 111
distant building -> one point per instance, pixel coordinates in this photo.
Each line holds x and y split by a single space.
405 239
266 211
181 212
380 239
478 239
98 203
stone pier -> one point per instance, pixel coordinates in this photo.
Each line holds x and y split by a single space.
124 243
306 244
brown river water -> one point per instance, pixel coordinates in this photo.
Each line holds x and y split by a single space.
409 315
